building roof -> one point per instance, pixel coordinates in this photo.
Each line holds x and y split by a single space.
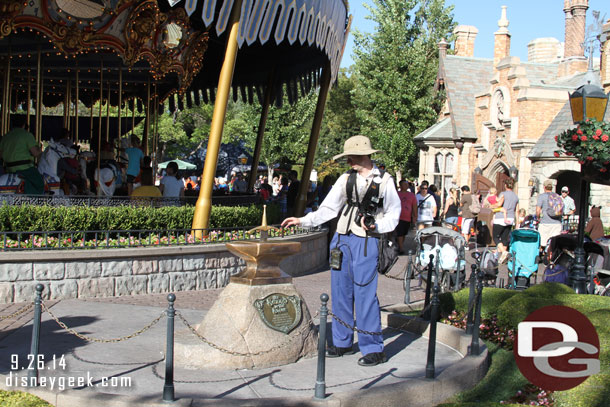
546 145
464 78
441 131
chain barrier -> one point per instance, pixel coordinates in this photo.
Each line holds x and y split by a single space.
235 353
91 339
20 311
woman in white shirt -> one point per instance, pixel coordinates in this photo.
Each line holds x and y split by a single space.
171 185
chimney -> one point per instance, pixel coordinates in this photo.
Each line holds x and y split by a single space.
546 50
502 39
442 48
604 66
576 12
464 40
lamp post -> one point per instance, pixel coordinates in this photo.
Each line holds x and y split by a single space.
587 102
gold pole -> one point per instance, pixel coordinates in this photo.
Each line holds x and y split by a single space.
107 138
146 132
39 96
120 101
156 128
75 136
67 105
261 130
99 129
133 116
313 141
27 114
5 94
203 207
91 122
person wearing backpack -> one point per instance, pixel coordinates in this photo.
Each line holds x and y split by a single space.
503 224
354 256
549 210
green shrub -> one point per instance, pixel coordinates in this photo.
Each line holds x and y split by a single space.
20 399
516 308
492 299
49 218
548 290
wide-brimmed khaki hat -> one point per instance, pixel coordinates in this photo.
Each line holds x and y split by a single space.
356 145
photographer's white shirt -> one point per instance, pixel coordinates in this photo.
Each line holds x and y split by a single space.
336 198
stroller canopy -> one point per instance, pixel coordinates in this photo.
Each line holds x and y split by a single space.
525 246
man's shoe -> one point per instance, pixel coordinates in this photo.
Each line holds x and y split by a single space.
372 359
336 351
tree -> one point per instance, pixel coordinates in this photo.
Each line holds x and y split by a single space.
396 68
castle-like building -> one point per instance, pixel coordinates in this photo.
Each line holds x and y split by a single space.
501 115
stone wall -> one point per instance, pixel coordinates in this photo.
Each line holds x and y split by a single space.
116 272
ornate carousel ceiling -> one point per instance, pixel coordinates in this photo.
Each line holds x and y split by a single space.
172 45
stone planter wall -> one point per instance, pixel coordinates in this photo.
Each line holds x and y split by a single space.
116 272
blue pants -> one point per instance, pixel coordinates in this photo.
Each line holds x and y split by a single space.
354 287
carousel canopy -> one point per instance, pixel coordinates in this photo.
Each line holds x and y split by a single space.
125 45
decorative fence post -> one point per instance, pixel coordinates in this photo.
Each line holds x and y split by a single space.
33 373
409 276
474 345
432 339
168 387
428 283
471 299
320 389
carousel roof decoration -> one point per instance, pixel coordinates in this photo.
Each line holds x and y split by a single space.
176 44
273 34
132 35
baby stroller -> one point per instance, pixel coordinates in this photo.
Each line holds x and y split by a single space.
524 258
488 264
449 246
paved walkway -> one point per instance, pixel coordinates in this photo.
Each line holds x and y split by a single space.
135 367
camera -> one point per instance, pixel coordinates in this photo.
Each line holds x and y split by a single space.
367 211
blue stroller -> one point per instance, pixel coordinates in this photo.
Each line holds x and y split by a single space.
524 258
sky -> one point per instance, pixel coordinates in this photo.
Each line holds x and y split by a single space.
529 19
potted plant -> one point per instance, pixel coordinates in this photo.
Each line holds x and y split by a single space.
589 143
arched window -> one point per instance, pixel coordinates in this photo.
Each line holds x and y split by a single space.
444 168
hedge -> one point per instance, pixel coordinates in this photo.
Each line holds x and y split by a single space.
511 307
28 218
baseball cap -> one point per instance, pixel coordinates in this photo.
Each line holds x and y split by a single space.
565 189
548 183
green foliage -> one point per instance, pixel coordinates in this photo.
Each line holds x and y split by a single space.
516 308
20 399
48 218
492 299
396 68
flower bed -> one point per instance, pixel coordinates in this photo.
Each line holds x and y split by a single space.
119 239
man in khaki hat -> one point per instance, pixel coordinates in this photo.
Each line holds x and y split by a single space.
354 247
549 225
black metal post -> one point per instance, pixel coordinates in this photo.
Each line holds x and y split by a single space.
33 372
577 276
429 281
320 389
432 339
409 276
471 299
474 345
168 387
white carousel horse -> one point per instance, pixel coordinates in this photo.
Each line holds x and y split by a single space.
47 165
106 179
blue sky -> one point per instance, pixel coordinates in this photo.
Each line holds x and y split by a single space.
528 20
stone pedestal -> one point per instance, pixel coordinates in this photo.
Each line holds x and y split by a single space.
234 323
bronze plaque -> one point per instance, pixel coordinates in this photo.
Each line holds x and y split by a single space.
279 311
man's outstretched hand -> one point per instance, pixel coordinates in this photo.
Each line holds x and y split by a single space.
291 222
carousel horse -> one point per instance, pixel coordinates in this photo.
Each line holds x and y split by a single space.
107 179
47 165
